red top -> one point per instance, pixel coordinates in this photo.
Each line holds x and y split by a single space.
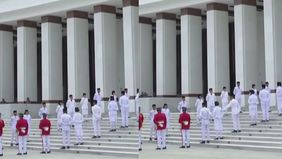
141 119
22 127
45 126
160 121
2 125
184 120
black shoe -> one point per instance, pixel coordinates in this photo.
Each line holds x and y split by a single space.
122 127
239 131
126 126
140 149
112 130
1 155
48 152
216 138
11 145
17 144
99 137
63 147
280 115
267 121
164 148
94 137
221 138
255 124
76 144
263 121
68 147
19 154
208 141
158 148
188 146
202 142
81 143
234 131
43 152
25 153
182 147
150 139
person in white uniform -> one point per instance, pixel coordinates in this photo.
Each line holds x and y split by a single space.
114 95
98 97
217 117
84 106
59 111
224 97
137 102
124 107
253 106
235 109
166 111
151 116
112 109
264 97
205 116
13 123
96 118
237 92
182 104
71 105
27 117
210 98
43 110
77 121
267 87
279 98
65 123
198 105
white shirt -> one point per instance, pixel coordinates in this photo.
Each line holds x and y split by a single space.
182 104
253 100
96 112
42 110
235 106
255 90
13 121
77 118
137 101
65 121
113 107
98 97
70 106
152 115
217 113
84 103
279 93
205 115
123 101
264 95
27 117
59 111
210 98
167 113
198 105
237 92
224 96
268 89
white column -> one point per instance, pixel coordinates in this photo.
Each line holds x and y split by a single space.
106 71
52 71
6 63
273 43
78 53
146 55
131 45
218 46
166 54
27 61
245 18
191 53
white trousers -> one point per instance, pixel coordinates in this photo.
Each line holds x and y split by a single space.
236 122
113 120
279 106
66 137
46 143
96 126
211 107
161 136
185 137
124 116
265 110
139 139
14 136
254 118
1 147
205 128
79 133
22 144
152 130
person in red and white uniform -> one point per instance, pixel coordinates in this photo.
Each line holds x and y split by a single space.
45 127
160 121
2 125
140 124
22 129
184 121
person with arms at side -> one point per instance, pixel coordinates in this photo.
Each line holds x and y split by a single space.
112 109
264 97
84 106
96 118
65 123
59 111
98 97
140 124
13 123
210 98
152 113
279 98
217 117
205 116
42 110
27 117
253 107
224 97
198 105
70 105
182 104
124 107
77 121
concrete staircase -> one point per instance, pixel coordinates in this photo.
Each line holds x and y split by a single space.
123 142
263 137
